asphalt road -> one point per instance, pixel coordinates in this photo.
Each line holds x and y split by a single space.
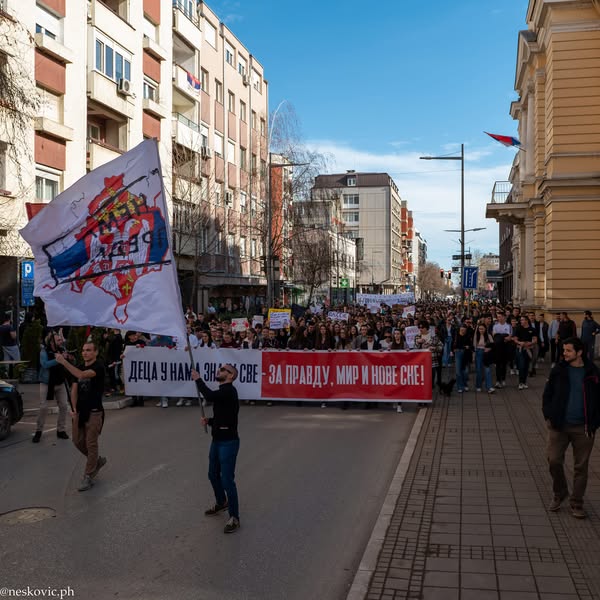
311 483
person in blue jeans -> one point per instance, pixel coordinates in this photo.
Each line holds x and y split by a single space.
483 343
462 357
225 443
524 337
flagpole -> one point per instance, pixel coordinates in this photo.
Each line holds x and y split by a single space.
176 283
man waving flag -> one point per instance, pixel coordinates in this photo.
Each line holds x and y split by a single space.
103 252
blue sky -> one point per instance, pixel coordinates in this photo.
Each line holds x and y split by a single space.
376 90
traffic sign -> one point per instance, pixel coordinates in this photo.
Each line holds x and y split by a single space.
469 279
27 283
457 256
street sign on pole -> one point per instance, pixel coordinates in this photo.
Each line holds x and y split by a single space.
457 256
469 280
27 283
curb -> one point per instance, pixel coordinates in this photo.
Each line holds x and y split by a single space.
360 585
111 405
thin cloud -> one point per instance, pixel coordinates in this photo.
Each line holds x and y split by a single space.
433 195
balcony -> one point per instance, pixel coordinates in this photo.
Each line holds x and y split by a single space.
185 23
184 92
186 132
99 153
154 49
502 207
155 108
50 127
104 90
53 48
108 21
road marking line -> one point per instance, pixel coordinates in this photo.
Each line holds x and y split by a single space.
135 481
360 585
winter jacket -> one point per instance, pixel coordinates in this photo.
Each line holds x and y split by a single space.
556 396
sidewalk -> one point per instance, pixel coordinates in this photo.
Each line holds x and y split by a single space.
470 521
30 392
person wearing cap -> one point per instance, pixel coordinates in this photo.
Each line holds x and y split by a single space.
589 329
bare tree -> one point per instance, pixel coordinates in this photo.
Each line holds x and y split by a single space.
19 105
431 283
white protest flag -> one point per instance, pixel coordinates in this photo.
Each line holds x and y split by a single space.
103 253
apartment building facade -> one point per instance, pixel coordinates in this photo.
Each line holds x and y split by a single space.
107 74
553 206
373 212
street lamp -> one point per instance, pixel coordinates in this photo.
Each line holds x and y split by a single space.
462 207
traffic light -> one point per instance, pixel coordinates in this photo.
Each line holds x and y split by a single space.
449 274
441 273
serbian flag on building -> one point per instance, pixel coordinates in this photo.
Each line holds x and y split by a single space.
103 252
194 82
505 140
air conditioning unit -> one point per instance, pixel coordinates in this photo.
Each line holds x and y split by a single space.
246 79
124 86
205 152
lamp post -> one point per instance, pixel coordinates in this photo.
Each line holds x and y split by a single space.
462 206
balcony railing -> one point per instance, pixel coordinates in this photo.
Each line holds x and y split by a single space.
187 8
501 192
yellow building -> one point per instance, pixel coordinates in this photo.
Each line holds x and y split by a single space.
554 203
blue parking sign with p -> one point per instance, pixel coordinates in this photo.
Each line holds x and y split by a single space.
27 275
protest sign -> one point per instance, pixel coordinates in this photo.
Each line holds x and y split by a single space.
410 333
409 310
257 320
279 318
337 316
239 324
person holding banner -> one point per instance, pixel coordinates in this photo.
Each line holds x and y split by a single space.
427 339
225 443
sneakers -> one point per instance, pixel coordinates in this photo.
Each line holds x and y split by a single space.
215 509
99 464
36 437
461 391
514 372
478 389
578 512
492 391
523 386
163 404
556 502
399 408
63 435
179 402
86 484
188 402
498 385
232 525
466 388
323 405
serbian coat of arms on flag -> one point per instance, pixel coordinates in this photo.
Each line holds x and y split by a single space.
102 249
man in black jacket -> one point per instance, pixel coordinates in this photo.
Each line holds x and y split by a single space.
225 443
571 406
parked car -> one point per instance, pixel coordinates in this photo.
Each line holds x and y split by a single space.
11 407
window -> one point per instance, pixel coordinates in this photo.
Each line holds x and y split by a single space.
243 113
256 80
243 158
204 80
243 197
351 181
252 205
204 136
112 60
350 200
253 165
218 197
219 243
229 54
219 91
351 217
243 247
51 105
230 244
263 168
149 29
253 248
150 90
186 7
242 66
210 34
48 24
47 183
253 119
231 102
96 130
219 145
263 127
231 152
